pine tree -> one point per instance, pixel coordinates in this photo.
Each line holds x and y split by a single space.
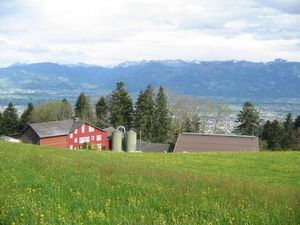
101 112
145 114
297 122
289 138
276 135
248 119
82 107
121 108
26 116
297 131
163 121
266 134
10 121
1 124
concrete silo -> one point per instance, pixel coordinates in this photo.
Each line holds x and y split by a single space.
131 141
117 141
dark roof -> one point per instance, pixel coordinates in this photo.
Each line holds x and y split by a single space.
109 131
154 147
55 128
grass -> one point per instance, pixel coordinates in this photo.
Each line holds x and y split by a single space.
53 186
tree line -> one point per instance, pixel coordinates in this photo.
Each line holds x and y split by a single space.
158 116
149 116
274 135
11 123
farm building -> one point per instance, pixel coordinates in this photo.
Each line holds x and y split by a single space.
69 134
197 142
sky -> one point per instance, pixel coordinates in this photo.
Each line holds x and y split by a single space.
107 32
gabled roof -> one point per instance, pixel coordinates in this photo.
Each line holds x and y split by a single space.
55 128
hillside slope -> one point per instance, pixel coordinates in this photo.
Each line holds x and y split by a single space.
234 79
53 186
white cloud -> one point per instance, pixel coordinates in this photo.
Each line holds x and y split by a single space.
105 32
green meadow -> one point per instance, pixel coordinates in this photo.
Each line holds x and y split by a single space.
53 186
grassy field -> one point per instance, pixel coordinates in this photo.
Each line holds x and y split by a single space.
53 186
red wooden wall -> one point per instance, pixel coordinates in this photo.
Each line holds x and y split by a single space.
57 141
88 134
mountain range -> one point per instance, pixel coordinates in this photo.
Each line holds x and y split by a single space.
226 79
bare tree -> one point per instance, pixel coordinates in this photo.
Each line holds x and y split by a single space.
196 114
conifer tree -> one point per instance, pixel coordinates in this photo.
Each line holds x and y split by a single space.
163 121
276 136
1 124
10 121
289 138
248 119
266 134
26 115
145 114
121 108
297 122
82 107
297 131
101 112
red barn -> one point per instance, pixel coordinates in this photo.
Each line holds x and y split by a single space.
65 134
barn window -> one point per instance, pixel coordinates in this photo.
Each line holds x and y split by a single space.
91 129
82 129
84 140
93 138
76 131
71 135
75 140
99 137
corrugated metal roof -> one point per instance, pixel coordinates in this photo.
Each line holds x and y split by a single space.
55 128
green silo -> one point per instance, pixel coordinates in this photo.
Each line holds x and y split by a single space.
117 141
131 141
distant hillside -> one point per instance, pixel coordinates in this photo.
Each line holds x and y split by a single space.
234 79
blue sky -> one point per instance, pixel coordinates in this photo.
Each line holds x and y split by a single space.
108 32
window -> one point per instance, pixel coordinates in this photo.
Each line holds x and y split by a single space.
99 137
82 128
84 140
71 146
75 140
76 131
71 135
91 129
93 138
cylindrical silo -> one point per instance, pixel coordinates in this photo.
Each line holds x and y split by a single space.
131 141
117 141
